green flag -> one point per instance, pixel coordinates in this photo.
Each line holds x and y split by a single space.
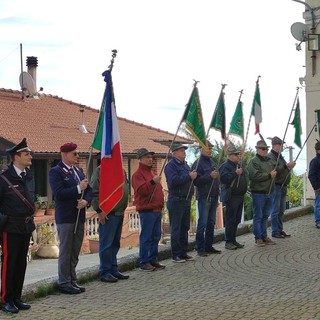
236 125
218 121
297 125
193 118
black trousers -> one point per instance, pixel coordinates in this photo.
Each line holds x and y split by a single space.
14 263
233 212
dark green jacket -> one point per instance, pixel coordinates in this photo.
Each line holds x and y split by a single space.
95 185
259 174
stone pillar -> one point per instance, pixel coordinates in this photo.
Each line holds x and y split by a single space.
312 88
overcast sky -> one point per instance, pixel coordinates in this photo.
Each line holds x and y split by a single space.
162 46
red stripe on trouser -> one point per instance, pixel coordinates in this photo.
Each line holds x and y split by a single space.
4 266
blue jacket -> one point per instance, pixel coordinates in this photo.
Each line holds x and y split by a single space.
228 176
203 182
65 192
314 172
178 179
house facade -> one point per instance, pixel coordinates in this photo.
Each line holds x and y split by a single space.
49 121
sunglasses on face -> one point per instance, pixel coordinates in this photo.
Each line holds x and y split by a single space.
264 149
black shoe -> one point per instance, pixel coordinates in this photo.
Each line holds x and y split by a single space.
108 278
238 245
230 246
285 234
278 235
75 285
202 254
9 308
178 259
120 276
213 250
187 257
21 305
68 289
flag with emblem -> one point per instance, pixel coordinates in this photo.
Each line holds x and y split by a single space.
107 140
297 125
218 121
256 110
236 125
193 118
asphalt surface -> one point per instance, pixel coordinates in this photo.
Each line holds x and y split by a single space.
279 281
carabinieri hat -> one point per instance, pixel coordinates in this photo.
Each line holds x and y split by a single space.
22 146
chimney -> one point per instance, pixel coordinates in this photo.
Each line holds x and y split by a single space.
32 63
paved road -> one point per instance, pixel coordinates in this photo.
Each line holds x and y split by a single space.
272 282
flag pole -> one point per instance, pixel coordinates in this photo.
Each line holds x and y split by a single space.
247 133
313 127
171 144
114 54
284 136
223 85
239 100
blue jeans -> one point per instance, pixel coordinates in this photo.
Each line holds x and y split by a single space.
109 244
278 198
261 211
317 208
206 221
233 217
179 216
150 234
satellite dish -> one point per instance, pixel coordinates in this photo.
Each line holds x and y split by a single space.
299 31
27 84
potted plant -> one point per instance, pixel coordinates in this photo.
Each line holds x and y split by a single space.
40 206
46 240
50 209
93 243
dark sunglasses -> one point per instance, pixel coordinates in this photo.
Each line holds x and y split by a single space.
264 149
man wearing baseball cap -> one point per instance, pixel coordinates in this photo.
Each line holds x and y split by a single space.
314 178
72 195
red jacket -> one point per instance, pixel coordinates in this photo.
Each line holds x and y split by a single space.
144 186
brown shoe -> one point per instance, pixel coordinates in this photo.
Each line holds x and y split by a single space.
147 267
158 265
268 241
260 243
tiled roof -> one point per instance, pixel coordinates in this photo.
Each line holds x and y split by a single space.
51 121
